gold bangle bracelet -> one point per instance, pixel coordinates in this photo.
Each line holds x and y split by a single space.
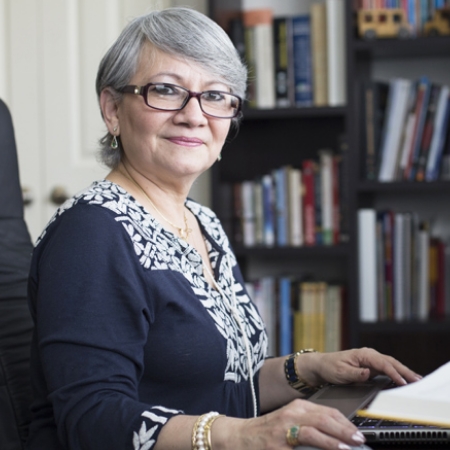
207 432
199 430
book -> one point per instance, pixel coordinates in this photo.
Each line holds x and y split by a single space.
248 213
237 213
408 132
439 134
427 133
259 39
318 12
375 94
268 210
367 265
236 31
258 211
309 220
295 207
281 205
421 105
326 199
426 401
336 55
282 60
301 60
399 89
285 316
423 272
333 318
336 198
345 168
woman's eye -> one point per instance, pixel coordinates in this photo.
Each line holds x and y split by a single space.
213 96
164 89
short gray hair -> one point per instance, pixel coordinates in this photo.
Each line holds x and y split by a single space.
178 31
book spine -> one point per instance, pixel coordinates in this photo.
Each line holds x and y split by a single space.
399 93
439 134
258 25
420 113
285 315
337 89
295 207
237 213
268 210
281 206
318 215
281 62
367 265
427 134
301 51
309 222
374 108
258 211
336 200
326 179
248 213
319 53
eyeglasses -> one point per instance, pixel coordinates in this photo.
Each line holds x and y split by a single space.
170 97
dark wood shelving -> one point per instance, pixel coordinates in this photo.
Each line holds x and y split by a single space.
423 47
331 251
392 327
283 113
404 187
271 138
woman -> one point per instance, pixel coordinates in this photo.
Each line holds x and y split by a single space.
145 336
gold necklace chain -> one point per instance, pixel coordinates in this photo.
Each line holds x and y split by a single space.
183 232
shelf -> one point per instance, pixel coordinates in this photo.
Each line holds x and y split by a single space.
332 251
405 187
284 113
388 327
428 47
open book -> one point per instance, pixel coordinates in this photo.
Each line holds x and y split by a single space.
426 401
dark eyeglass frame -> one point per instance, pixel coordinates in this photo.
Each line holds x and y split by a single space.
143 91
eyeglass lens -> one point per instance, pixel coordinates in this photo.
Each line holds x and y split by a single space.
171 97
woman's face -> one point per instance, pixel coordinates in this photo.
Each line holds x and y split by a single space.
171 145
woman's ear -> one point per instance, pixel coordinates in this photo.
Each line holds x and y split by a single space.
109 109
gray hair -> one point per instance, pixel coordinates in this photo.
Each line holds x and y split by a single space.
178 31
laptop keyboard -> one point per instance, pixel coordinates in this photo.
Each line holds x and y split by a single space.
400 432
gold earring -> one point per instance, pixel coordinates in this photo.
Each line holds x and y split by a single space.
114 143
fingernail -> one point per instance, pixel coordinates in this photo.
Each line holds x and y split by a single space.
358 437
344 447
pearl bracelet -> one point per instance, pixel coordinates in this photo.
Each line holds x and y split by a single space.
201 433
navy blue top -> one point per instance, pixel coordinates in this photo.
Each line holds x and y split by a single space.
128 331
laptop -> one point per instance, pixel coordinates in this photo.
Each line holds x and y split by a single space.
350 398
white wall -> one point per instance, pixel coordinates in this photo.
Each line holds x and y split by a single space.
49 54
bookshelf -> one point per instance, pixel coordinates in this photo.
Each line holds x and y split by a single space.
270 138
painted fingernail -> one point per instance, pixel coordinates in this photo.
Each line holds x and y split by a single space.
344 447
358 437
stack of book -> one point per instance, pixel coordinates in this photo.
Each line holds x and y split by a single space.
293 61
406 129
417 12
402 268
300 314
291 206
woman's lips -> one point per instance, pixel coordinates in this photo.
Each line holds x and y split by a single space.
185 141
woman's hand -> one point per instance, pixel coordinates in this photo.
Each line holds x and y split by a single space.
351 366
320 426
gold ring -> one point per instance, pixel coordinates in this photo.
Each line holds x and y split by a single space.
292 435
